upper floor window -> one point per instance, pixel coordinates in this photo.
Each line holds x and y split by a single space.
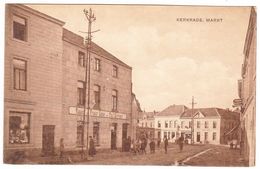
19 28
182 124
97 65
80 91
166 124
114 99
198 124
19 74
115 71
82 61
190 124
175 124
214 124
97 96
206 124
159 124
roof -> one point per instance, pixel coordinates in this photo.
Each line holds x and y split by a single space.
79 41
227 114
38 13
173 110
211 112
207 112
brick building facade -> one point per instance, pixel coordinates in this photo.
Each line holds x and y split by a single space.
110 94
247 92
44 73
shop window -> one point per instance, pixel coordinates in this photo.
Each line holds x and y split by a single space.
19 127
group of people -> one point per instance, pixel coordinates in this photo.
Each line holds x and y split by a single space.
138 146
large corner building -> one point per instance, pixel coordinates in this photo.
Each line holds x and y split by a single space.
45 67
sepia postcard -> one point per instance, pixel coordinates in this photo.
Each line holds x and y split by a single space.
129 84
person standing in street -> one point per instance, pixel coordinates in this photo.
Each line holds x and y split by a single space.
92 150
181 140
158 142
61 147
165 140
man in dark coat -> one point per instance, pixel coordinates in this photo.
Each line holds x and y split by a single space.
92 149
165 140
181 140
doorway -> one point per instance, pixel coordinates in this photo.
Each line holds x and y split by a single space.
113 136
48 140
124 136
198 136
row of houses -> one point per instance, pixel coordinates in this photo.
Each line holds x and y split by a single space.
210 125
45 67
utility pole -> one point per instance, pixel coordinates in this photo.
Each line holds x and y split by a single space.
91 18
192 120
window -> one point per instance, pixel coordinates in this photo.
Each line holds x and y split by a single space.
114 100
175 124
115 71
82 61
145 124
214 136
165 134
190 124
79 133
206 136
96 133
173 134
159 124
198 124
170 124
166 124
80 94
214 124
142 124
182 124
206 124
19 127
97 65
19 28
97 97
19 74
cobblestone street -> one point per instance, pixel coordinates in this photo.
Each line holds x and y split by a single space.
215 156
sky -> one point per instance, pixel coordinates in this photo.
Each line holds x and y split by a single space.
171 60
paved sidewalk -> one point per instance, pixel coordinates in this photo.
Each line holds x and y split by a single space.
218 156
